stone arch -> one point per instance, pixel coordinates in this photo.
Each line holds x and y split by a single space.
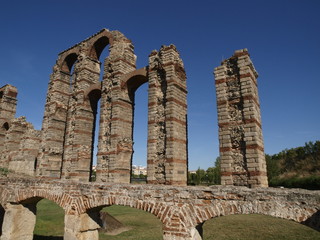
198 215
26 196
133 80
68 62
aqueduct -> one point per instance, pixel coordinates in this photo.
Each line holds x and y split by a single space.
58 159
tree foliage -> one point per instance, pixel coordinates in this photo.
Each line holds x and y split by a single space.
295 167
211 176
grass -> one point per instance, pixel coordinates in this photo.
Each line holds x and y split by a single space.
254 226
145 226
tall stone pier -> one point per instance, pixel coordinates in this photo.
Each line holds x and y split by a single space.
240 135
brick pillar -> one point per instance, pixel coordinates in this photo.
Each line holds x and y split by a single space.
19 221
115 135
240 135
167 118
8 103
77 158
54 123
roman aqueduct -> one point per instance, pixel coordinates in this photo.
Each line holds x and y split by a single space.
55 162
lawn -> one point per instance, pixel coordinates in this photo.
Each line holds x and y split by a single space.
145 226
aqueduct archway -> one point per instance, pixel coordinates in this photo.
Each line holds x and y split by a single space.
69 120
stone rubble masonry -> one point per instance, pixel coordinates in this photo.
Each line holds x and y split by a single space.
167 121
64 147
181 209
240 135
19 141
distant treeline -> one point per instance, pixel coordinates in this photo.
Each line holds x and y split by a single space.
296 167
292 168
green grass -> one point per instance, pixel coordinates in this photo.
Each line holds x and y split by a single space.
254 226
145 226
50 219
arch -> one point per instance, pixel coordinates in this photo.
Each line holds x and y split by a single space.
34 196
283 210
98 46
68 62
133 80
6 126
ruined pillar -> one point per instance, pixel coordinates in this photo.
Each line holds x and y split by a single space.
19 221
167 118
8 104
21 147
115 135
240 135
54 120
82 227
79 135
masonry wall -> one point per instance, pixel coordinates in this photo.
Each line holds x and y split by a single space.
167 118
8 104
240 135
64 149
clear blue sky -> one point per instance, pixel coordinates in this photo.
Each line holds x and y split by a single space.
283 38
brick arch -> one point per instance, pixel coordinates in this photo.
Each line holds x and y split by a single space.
133 80
68 61
295 212
86 203
61 199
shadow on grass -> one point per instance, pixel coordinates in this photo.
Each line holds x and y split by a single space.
39 237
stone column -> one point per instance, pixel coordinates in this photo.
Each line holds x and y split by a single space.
167 118
82 227
8 104
79 137
54 123
19 221
240 135
115 137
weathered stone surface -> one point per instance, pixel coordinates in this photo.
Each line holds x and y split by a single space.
180 209
19 222
64 147
240 134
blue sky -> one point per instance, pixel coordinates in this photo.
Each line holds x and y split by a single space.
283 38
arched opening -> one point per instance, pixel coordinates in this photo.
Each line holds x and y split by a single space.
49 221
98 47
5 126
1 94
124 222
255 226
2 211
69 62
138 94
94 97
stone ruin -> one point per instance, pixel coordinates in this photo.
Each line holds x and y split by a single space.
63 149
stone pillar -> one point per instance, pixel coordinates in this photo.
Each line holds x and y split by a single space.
240 135
8 104
82 227
115 136
54 123
19 221
21 146
78 147
167 118
175 234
